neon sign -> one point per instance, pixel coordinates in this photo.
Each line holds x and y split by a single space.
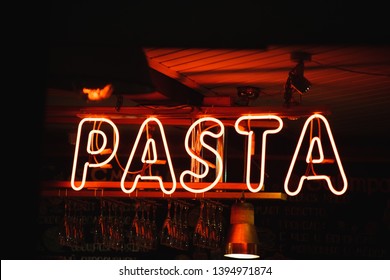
90 138
315 141
149 154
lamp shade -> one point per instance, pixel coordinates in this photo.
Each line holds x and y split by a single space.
242 240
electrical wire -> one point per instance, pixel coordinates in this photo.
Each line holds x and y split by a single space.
351 70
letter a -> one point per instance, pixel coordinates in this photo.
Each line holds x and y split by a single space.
319 160
150 146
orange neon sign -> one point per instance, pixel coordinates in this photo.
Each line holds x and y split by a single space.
315 141
151 142
263 147
90 138
149 154
194 156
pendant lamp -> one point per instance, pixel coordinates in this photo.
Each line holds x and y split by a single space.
242 240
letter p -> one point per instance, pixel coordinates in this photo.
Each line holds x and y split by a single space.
94 133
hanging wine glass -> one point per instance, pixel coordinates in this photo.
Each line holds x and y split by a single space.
64 234
199 237
154 228
166 231
184 228
134 231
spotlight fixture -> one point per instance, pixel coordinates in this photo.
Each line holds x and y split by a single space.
246 94
249 92
242 241
296 81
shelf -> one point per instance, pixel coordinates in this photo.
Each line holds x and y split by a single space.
152 190
175 115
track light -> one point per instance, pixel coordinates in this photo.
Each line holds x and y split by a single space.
249 92
296 81
242 241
